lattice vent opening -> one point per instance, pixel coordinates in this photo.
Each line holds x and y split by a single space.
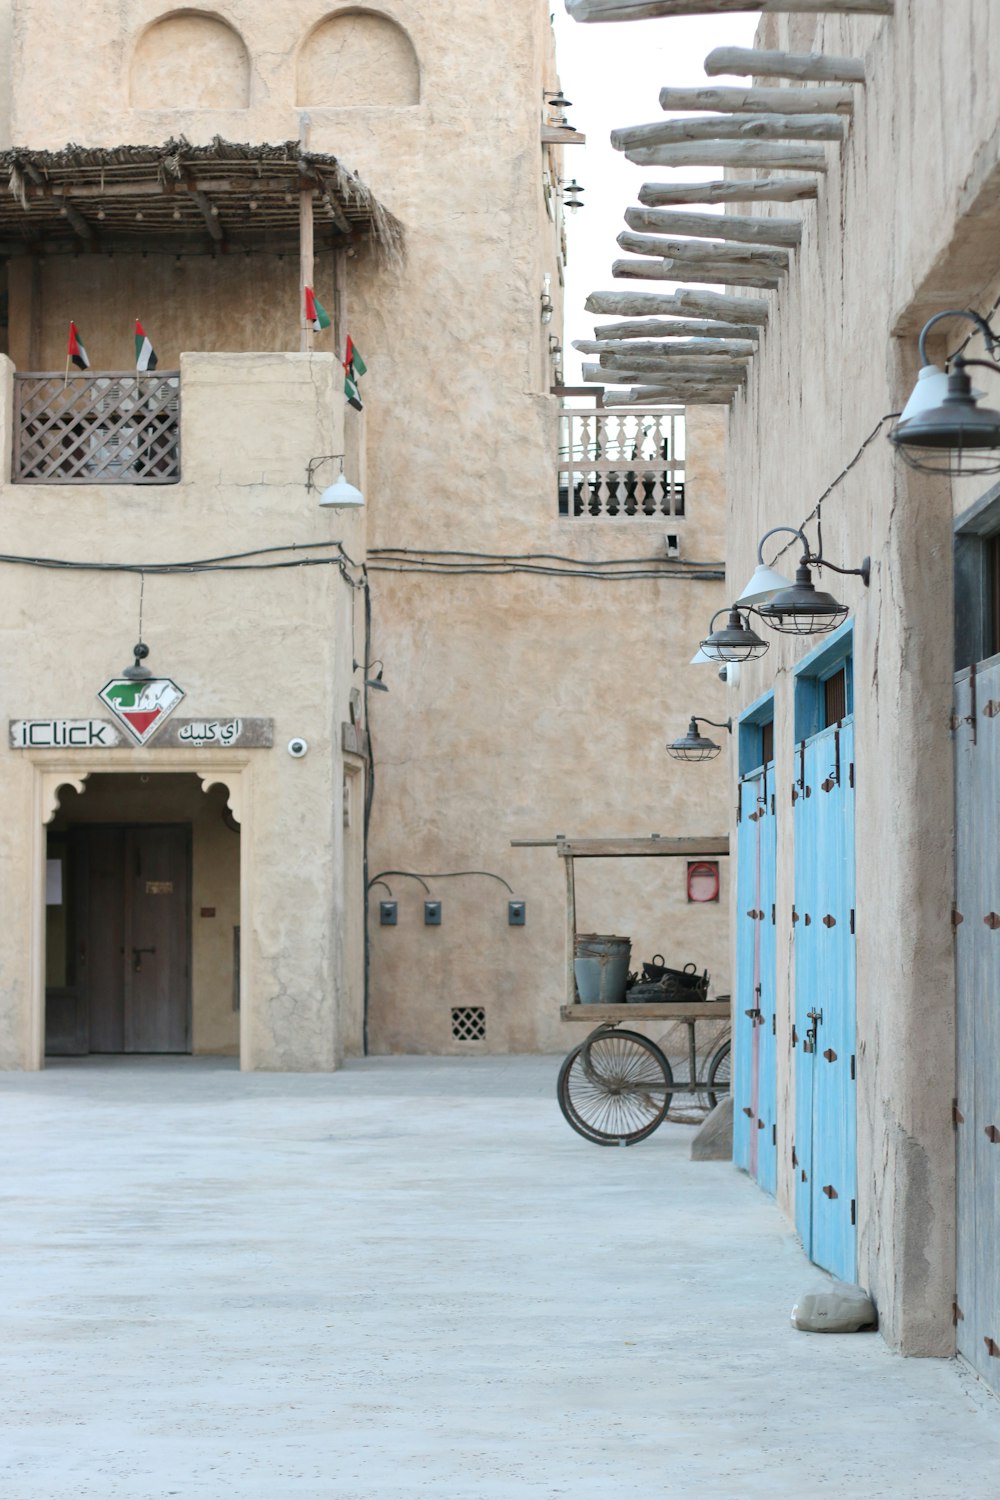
468 1023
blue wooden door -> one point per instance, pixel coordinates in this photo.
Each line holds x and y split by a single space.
977 956
825 1144
754 1072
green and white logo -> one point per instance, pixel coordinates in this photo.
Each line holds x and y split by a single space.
141 706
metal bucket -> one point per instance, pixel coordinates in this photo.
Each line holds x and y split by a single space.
600 963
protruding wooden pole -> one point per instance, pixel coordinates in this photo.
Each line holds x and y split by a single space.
798 158
676 270
672 328
600 375
626 366
742 310
650 10
815 67
697 252
761 101
669 395
726 349
768 189
756 231
730 128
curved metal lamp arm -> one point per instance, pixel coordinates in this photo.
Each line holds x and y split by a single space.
963 364
728 725
791 530
864 572
728 609
957 312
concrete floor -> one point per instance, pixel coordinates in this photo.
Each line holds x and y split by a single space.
412 1279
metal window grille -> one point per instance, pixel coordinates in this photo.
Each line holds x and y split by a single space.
621 465
97 429
468 1023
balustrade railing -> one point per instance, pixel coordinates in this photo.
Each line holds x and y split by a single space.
622 464
110 428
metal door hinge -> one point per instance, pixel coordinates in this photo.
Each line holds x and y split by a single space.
773 914
829 921
760 1124
992 1348
957 1315
957 1117
992 709
830 1055
830 1191
852 921
854 1067
772 805
854 1210
795 1159
774 1023
992 920
795 1036
851 775
956 917
992 1134
748 1111
795 916
774 1135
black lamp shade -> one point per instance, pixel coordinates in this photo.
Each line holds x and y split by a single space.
693 746
803 609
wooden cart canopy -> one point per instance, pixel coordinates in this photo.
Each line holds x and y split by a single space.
183 199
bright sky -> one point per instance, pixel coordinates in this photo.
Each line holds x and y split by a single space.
614 73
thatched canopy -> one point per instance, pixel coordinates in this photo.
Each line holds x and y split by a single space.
183 199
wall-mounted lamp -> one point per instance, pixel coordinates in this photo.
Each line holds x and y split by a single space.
694 746
340 492
798 608
735 641
548 306
372 682
942 428
571 195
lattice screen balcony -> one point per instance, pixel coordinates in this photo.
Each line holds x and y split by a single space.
97 429
621 465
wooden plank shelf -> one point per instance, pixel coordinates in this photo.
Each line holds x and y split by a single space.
706 1010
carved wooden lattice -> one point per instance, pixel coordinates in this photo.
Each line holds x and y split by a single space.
621 464
97 429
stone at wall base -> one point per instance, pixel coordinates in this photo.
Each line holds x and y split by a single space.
713 1139
838 1308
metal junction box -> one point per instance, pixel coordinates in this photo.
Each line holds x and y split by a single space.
387 911
432 914
516 913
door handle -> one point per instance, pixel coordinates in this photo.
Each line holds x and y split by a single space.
137 958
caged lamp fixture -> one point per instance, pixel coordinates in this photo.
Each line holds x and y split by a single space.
694 746
799 607
735 641
942 429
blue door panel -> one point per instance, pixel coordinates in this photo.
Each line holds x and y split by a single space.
755 1087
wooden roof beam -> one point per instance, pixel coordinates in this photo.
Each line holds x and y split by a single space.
797 157
674 270
672 328
730 128
651 10
643 369
812 67
209 213
760 189
77 222
743 310
707 368
697 252
745 101
669 395
667 348
752 231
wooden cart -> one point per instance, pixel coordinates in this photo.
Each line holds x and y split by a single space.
615 1087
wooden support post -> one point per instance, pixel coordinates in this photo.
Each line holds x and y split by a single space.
756 231
340 325
37 323
721 349
751 311
701 252
210 215
730 128
813 67
677 270
672 328
768 189
794 156
570 932
307 188
743 101
650 10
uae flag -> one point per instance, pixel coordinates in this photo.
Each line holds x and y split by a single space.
145 354
354 368
75 350
316 313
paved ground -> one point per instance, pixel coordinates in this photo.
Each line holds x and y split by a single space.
411 1279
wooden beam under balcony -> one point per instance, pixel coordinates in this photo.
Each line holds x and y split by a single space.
707 366
669 395
812 67
667 348
651 10
699 252
729 128
739 227
760 101
794 156
707 272
704 372
743 310
671 328
754 190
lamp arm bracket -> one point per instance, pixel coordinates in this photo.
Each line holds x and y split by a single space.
728 725
864 572
313 465
957 312
774 531
987 364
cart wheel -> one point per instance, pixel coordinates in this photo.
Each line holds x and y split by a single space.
615 1088
719 1075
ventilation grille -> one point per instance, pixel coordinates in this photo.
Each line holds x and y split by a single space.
468 1023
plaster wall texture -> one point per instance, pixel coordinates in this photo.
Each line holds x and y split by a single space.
273 644
901 228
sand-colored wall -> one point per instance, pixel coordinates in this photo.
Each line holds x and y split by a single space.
271 644
840 353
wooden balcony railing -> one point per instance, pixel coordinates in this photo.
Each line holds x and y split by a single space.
621 464
97 429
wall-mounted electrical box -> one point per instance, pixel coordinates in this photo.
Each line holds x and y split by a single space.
432 914
516 913
387 913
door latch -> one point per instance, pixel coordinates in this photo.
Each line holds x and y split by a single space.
137 958
816 1017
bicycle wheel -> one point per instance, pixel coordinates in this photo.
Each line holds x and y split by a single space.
719 1074
615 1088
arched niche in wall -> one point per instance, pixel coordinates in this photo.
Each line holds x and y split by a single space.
356 58
190 59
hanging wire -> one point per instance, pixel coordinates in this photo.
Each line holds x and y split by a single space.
142 591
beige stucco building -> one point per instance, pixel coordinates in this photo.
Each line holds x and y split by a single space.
205 889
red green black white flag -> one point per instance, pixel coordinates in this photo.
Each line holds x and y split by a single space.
75 350
145 354
316 314
354 368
